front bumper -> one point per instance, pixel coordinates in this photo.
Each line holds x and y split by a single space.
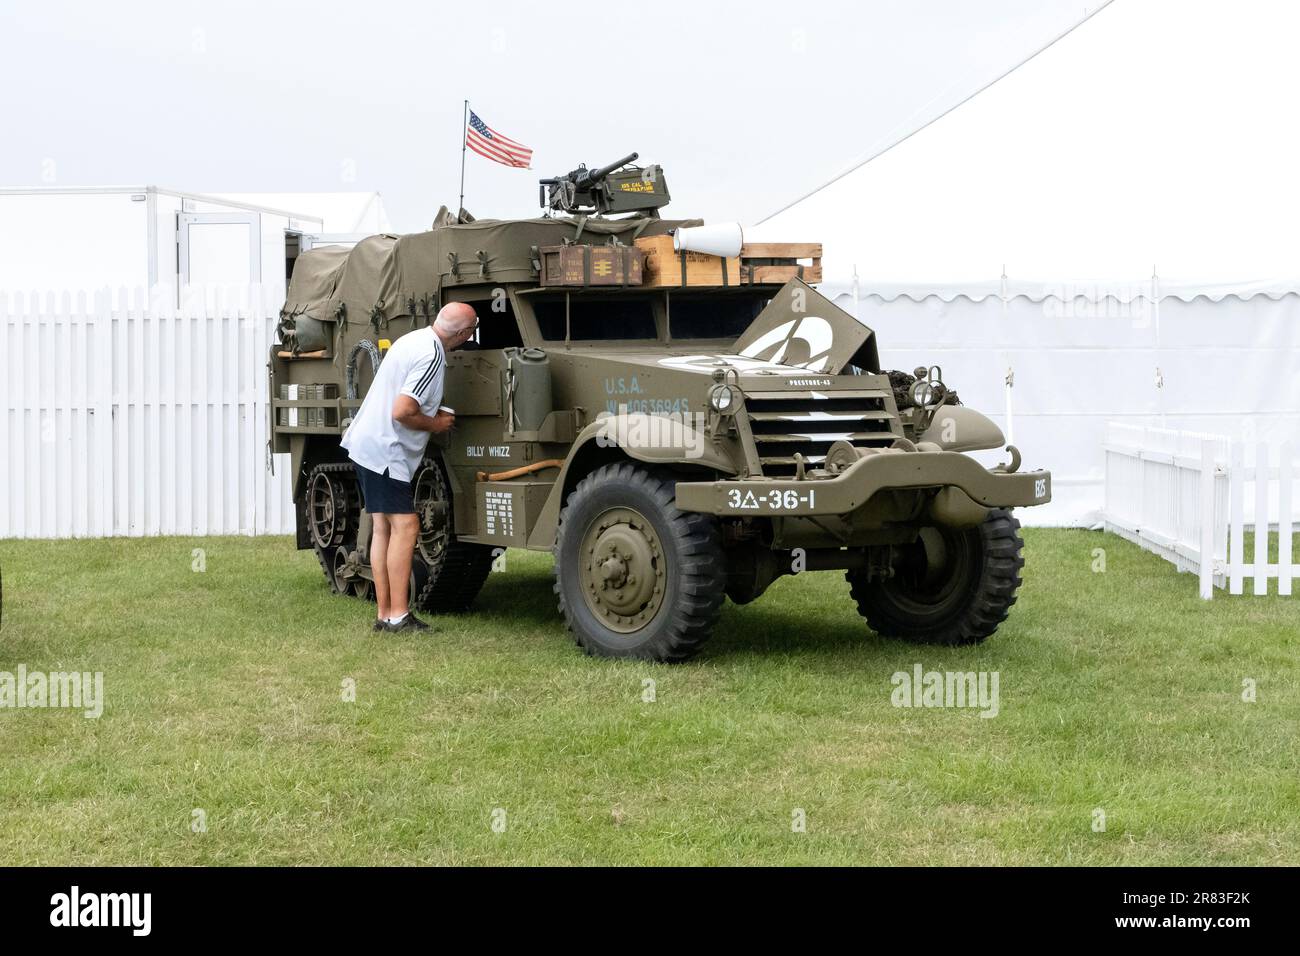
851 489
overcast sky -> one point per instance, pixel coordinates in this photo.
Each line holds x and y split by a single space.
745 105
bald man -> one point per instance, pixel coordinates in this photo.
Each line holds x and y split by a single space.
386 442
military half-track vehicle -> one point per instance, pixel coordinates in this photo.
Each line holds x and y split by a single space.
676 428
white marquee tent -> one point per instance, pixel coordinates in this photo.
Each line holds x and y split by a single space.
1114 223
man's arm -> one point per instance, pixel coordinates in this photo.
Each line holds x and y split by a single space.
406 411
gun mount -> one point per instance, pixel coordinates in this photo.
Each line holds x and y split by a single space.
608 190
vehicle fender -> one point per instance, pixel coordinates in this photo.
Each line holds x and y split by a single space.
958 428
656 440
662 442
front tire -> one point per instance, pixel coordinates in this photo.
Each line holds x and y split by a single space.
634 575
952 586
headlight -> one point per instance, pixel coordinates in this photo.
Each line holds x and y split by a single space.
922 393
928 390
927 394
724 398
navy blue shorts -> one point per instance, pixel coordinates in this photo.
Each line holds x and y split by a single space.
384 494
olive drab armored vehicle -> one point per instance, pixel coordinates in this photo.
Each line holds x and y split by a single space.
678 420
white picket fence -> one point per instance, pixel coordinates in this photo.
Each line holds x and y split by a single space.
1182 495
125 416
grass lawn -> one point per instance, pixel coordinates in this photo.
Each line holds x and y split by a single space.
1119 691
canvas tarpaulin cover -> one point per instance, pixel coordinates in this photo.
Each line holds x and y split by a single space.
369 289
305 318
385 278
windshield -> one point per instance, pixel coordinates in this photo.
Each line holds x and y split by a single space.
632 316
597 318
723 316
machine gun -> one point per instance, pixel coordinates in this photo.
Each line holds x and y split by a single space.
608 190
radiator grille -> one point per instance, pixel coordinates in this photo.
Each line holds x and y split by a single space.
785 425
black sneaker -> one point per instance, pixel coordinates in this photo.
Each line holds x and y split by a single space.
379 626
409 623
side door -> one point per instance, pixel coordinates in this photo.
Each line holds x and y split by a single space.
472 388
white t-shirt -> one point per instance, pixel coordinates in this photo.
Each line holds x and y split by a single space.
414 366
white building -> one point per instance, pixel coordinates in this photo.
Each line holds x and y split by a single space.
83 239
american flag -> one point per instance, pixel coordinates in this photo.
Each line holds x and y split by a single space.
487 142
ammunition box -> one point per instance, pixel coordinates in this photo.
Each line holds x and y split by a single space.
308 417
583 265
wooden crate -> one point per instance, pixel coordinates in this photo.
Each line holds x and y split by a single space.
755 274
583 265
664 267
782 250
778 262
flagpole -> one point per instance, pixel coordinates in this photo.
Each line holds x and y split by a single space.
464 122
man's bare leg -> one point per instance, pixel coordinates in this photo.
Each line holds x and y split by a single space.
401 547
379 566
